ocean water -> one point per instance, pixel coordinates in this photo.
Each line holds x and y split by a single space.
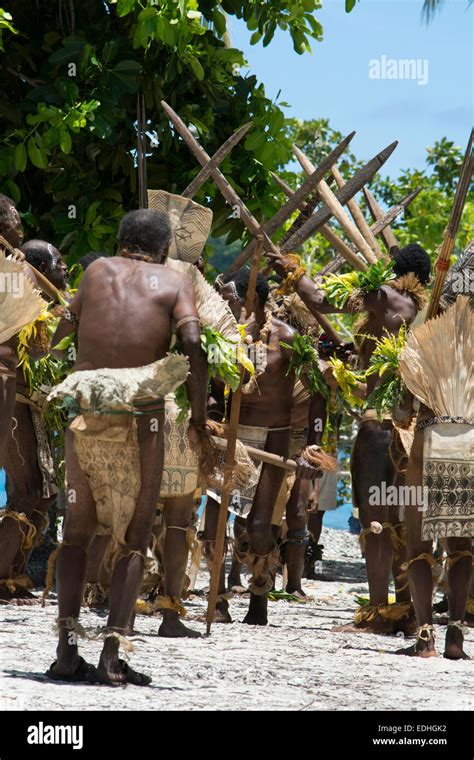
3 496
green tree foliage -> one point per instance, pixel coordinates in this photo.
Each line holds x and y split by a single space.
70 73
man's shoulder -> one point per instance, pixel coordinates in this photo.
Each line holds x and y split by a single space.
283 329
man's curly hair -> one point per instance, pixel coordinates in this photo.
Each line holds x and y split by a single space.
412 258
147 232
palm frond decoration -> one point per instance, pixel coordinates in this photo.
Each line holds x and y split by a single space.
348 381
305 361
437 363
342 289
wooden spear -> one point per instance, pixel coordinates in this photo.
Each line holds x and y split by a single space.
378 227
229 461
214 162
358 217
352 186
337 209
327 232
141 152
226 189
444 258
296 198
376 211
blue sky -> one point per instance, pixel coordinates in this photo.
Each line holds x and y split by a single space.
334 80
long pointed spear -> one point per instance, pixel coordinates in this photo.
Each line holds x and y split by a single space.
214 162
337 209
327 232
394 211
230 454
444 257
358 217
295 200
226 189
352 186
387 235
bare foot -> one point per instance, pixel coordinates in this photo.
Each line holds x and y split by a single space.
173 628
380 627
238 589
221 614
257 614
300 594
20 597
115 672
420 648
453 648
234 580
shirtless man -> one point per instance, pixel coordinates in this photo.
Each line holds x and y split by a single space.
387 309
124 310
28 493
266 403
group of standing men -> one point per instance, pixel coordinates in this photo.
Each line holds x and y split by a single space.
124 319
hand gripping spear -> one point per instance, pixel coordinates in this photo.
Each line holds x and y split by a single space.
444 257
230 454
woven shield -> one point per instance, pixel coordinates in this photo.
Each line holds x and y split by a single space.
190 224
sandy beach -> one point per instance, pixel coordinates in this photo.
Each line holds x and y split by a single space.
295 663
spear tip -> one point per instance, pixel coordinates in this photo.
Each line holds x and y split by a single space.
411 197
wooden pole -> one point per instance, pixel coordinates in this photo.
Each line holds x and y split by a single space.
358 217
295 200
230 458
214 162
259 455
328 233
378 227
352 186
337 209
444 258
226 189
141 152
387 235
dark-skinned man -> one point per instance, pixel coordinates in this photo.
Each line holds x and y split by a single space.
385 310
30 478
123 313
264 422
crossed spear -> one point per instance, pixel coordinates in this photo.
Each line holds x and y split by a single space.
309 221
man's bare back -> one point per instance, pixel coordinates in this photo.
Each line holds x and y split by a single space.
126 309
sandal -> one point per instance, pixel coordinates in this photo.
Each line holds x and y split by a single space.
85 672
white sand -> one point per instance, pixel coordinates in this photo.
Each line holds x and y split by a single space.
295 663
